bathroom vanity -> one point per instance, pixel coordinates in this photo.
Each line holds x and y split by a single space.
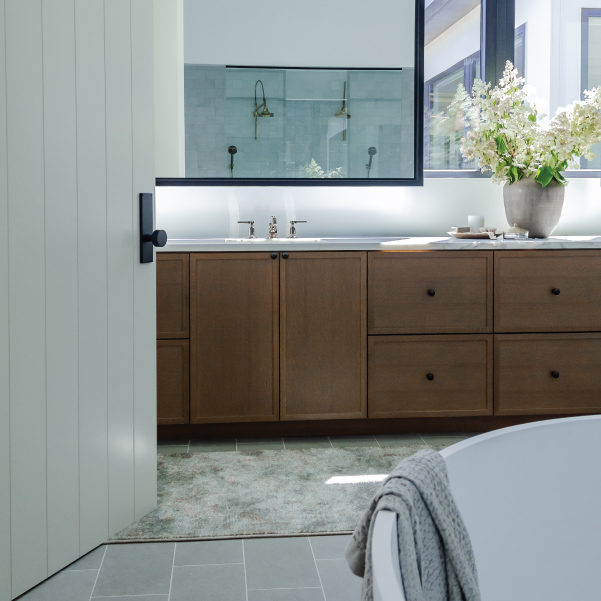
370 336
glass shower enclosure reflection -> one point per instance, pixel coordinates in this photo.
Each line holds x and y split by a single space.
274 123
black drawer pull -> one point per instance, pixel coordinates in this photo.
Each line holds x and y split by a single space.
430 377
431 292
274 255
285 255
555 374
556 291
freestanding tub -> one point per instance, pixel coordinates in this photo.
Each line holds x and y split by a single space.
530 497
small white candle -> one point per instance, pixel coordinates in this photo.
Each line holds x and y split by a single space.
475 222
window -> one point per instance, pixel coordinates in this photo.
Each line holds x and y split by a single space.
591 66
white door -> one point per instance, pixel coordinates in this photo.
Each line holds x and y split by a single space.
77 309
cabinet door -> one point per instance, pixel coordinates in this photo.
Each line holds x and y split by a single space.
430 376
173 295
173 382
429 292
547 291
547 374
234 337
323 335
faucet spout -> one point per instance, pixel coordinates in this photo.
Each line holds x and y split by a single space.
273 228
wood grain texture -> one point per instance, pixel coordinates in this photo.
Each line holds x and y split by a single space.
145 391
27 292
173 295
523 284
398 297
234 333
5 559
323 335
523 381
92 272
62 324
173 381
461 366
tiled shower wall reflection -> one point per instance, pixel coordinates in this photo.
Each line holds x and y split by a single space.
219 104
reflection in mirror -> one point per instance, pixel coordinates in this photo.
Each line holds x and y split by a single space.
296 123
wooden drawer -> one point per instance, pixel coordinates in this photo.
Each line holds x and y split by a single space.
524 285
398 384
400 286
524 366
173 382
173 295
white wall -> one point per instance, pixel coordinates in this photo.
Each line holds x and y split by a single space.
169 88
312 33
212 212
77 363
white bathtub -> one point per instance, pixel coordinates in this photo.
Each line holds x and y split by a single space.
530 497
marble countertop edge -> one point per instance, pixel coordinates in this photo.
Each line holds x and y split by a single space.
402 243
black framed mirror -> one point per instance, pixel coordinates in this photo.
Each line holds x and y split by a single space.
294 125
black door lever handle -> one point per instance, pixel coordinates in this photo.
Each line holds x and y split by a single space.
149 237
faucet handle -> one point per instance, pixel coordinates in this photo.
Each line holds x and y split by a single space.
293 228
251 228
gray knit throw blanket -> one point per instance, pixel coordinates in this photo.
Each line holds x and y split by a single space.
437 561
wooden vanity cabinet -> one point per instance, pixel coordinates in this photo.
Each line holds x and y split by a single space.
430 292
323 335
234 326
173 295
173 381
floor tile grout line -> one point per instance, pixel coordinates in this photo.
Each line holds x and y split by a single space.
236 443
296 588
203 565
98 574
121 596
330 441
423 439
323 592
245 579
284 443
172 570
81 570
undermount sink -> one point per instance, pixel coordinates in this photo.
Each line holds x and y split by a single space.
364 239
270 240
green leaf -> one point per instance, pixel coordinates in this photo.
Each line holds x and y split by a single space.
532 118
544 175
560 178
514 174
501 144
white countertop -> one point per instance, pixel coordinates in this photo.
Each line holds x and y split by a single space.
389 243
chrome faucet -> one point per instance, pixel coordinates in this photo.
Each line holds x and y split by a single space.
293 228
273 227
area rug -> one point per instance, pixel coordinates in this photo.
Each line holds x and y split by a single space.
251 493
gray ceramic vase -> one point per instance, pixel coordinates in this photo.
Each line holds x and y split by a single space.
532 207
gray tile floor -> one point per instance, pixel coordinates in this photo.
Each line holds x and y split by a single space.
266 569
260 569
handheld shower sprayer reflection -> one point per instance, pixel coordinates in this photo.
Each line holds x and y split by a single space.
232 150
371 151
265 112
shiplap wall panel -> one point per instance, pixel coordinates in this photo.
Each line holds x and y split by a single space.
27 281
60 153
76 398
92 293
120 239
142 27
5 587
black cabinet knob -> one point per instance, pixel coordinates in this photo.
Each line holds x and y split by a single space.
158 238
555 374
556 291
431 292
430 377
285 255
274 255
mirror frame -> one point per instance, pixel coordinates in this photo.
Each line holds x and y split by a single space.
418 139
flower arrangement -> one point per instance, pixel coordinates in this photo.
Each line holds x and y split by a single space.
312 169
508 138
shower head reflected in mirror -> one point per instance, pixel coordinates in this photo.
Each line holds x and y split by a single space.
371 151
232 150
265 112
343 114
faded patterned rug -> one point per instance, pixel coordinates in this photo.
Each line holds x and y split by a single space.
253 493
